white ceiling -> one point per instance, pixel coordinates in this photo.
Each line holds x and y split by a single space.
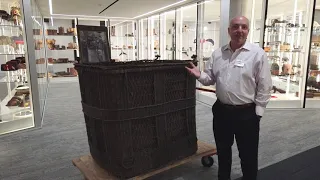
131 8
123 8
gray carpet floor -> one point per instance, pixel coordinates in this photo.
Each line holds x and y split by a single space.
46 153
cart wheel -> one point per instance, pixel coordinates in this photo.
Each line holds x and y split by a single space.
207 161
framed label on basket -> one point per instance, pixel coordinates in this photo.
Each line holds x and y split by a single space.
93 44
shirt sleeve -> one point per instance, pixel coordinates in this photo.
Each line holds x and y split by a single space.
264 85
207 77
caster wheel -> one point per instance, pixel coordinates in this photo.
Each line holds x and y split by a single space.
207 161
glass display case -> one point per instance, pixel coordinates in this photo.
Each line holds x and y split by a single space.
312 93
143 39
154 36
169 35
123 41
15 98
61 48
286 40
40 54
209 40
186 33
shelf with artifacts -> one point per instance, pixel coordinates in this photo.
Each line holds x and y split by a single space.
123 41
313 81
15 102
61 49
286 52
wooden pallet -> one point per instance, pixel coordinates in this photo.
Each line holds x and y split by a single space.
92 171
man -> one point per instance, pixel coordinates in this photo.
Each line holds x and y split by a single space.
242 76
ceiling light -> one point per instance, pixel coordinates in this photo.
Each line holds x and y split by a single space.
50 7
86 16
151 12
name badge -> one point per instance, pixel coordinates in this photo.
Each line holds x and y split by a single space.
239 63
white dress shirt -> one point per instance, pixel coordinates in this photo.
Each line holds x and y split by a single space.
241 77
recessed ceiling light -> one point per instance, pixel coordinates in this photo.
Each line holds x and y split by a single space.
50 7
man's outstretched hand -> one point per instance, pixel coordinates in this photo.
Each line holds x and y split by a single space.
194 70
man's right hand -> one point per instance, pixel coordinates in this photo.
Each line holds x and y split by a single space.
194 70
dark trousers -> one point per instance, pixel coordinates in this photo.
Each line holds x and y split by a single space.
243 124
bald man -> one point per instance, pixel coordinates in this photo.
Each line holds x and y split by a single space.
242 77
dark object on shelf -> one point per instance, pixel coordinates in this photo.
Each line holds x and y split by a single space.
157 57
185 52
314 67
14 101
62 60
312 81
275 89
15 64
61 30
36 32
275 69
40 61
63 47
51 31
139 115
93 44
72 71
122 53
9 66
211 41
287 69
4 15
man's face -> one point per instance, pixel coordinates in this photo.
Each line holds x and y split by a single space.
239 30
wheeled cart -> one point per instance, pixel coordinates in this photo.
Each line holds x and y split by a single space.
92 171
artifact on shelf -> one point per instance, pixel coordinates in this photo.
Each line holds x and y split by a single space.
41 75
52 32
312 81
16 15
287 69
38 44
275 68
275 89
4 15
129 35
61 31
51 43
267 49
72 71
14 101
285 47
72 45
276 21
113 31
62 60
40 61
36 32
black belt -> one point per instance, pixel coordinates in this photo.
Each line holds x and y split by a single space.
240 106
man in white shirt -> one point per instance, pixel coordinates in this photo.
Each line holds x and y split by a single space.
242 76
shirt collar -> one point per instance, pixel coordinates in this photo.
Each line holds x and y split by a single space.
245 46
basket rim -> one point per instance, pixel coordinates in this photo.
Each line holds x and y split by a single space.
136 65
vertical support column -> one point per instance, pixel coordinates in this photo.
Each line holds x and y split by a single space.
200 35
33 75
179 25
224 21
311 5
263 21
199 31
163 36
